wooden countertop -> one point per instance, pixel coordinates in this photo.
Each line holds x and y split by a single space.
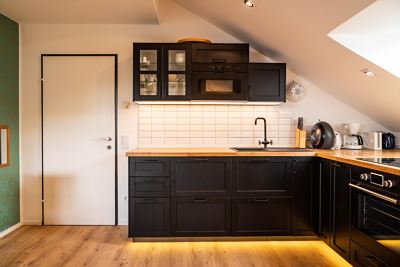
345 156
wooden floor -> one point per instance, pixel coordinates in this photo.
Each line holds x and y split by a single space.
109 246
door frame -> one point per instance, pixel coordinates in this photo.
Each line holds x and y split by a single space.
42 56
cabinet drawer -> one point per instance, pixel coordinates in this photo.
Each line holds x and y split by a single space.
151 166
149 217
262 176
361 257
201 216
261 216
201 176
149 187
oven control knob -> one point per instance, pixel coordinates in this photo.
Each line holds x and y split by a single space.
364 176
387 183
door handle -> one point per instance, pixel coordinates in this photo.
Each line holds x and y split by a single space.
375 194
109 147
108 138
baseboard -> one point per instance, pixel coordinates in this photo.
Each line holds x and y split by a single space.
10 229
123 221
33 222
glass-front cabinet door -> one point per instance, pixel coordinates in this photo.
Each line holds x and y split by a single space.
176 71
147 71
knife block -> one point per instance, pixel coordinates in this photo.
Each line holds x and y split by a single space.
301 138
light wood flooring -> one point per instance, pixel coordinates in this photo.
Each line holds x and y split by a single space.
109 246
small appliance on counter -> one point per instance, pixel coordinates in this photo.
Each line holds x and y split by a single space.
322 135
388 141
353 140
372 140
337 144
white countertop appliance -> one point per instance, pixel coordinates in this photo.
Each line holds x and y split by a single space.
372 140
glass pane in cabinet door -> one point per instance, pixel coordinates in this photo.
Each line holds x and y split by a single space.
148 84
176 84
176 60
148 60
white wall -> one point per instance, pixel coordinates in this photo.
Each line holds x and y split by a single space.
175 23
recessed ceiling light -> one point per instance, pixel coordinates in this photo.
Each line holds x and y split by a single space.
368 72
248 3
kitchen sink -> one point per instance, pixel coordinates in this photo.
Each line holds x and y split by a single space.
271 149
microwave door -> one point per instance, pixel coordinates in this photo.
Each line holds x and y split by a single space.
219 86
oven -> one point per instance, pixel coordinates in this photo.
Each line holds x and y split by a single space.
219 71
375 218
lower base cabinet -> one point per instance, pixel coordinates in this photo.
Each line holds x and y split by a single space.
361 257
201 216
149 217
261 216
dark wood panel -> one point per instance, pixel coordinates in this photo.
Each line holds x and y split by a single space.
302 196
262 175
201 216
200 176
149 166
361 257
267 82
149 217
261 216
341 208
325 201
149 187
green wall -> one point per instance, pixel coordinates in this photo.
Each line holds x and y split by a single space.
9 115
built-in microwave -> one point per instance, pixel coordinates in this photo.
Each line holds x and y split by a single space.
219 71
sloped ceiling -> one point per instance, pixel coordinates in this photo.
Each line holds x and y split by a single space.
296 32
80 11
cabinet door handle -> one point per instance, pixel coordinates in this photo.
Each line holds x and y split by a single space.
337 165
261 200
151 160
200 200
260 159
200 159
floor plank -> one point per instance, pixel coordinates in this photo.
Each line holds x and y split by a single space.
109 246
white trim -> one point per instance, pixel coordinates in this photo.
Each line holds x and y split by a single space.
31 222
123 221
10 229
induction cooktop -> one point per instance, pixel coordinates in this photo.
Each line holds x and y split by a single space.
395 162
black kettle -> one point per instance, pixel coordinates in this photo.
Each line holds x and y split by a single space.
388 141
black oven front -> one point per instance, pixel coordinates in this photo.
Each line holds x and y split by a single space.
375 215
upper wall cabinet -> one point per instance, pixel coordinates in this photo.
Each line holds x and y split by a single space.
267 82
161 71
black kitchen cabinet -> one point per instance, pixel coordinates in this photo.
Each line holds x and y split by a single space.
302 205
149 186
340 175
149 166
201 176
161 71
149 217
324 225
205 216
360 257
262 176
220 53
261 216
267 82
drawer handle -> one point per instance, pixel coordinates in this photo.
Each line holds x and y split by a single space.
152 200
261 200
200 200
151 160
200 159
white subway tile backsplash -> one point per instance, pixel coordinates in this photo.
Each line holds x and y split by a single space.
222 125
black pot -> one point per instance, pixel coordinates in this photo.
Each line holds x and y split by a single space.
322 135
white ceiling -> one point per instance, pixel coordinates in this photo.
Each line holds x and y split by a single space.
80 11
296 32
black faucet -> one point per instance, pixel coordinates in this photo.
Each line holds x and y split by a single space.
265 142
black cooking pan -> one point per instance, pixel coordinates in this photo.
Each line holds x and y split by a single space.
322 135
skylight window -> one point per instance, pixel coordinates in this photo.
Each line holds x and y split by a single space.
374 34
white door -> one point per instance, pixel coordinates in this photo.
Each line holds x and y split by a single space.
78 140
